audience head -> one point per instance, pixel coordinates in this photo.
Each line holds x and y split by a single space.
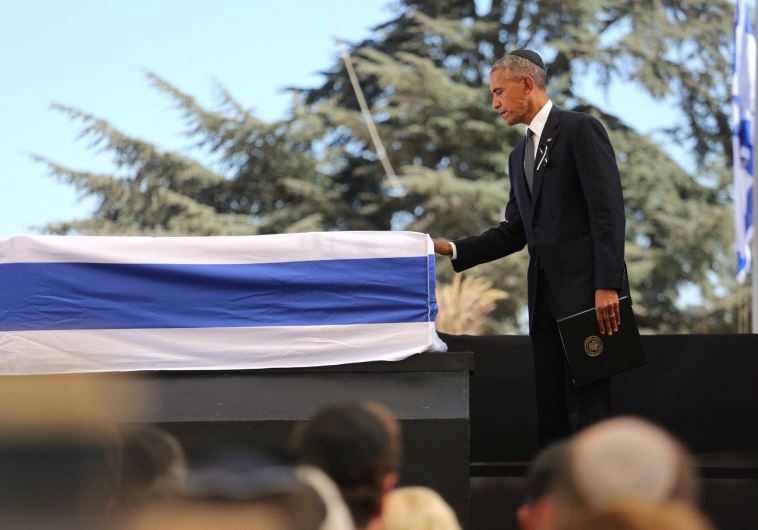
626 458
419 508
539 504
358 446
153 466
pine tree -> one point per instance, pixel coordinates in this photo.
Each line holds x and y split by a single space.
424 73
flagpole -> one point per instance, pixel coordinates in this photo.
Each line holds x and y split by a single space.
754 244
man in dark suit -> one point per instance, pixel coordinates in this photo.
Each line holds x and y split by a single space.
566 206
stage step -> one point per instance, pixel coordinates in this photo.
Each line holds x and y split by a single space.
743 465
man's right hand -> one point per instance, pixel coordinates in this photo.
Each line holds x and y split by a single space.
442 247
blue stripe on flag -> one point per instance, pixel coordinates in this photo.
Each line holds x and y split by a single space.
47 296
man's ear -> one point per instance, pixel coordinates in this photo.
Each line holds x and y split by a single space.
528 85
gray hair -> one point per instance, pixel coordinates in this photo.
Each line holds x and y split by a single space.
626 457
519 67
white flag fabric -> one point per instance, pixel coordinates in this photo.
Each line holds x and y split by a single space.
743 116
93 304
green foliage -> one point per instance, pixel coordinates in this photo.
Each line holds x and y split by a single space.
424 73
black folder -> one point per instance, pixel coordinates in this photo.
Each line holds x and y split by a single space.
592 356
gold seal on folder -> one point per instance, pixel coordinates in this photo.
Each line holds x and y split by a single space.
593 345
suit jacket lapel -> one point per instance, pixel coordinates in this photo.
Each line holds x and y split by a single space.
547 140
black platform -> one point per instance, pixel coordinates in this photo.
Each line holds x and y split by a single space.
428 393
703 388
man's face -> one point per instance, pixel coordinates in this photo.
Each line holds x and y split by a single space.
509 97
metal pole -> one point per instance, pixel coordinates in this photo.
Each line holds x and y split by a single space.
754 244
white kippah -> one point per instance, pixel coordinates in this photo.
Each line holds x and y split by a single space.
624 458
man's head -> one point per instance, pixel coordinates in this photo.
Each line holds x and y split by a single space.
517 83
539 505
359 447
625 458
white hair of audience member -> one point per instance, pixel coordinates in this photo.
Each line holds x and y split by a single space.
337 513
418 508
626 458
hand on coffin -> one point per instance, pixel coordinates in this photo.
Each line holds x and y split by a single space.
442 247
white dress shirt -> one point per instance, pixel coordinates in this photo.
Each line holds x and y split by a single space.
538 124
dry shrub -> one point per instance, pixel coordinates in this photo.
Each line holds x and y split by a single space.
465 303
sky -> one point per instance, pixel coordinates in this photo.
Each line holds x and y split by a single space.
93 55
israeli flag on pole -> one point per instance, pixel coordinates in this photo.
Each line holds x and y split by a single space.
743 115
93 304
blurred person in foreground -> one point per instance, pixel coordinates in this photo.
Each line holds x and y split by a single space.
358 447
625 458
567 207
234 490
60 454
418 508
538 507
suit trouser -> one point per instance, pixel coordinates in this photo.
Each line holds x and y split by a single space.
561 408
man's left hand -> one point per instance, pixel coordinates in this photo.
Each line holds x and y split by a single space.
607 311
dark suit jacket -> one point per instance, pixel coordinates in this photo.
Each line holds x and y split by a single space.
573 224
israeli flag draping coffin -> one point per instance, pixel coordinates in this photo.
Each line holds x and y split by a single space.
92 304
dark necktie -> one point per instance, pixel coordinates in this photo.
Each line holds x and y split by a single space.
529 159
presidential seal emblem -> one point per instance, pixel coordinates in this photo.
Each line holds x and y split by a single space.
593 345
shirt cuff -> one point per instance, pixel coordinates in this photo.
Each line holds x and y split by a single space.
455 251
